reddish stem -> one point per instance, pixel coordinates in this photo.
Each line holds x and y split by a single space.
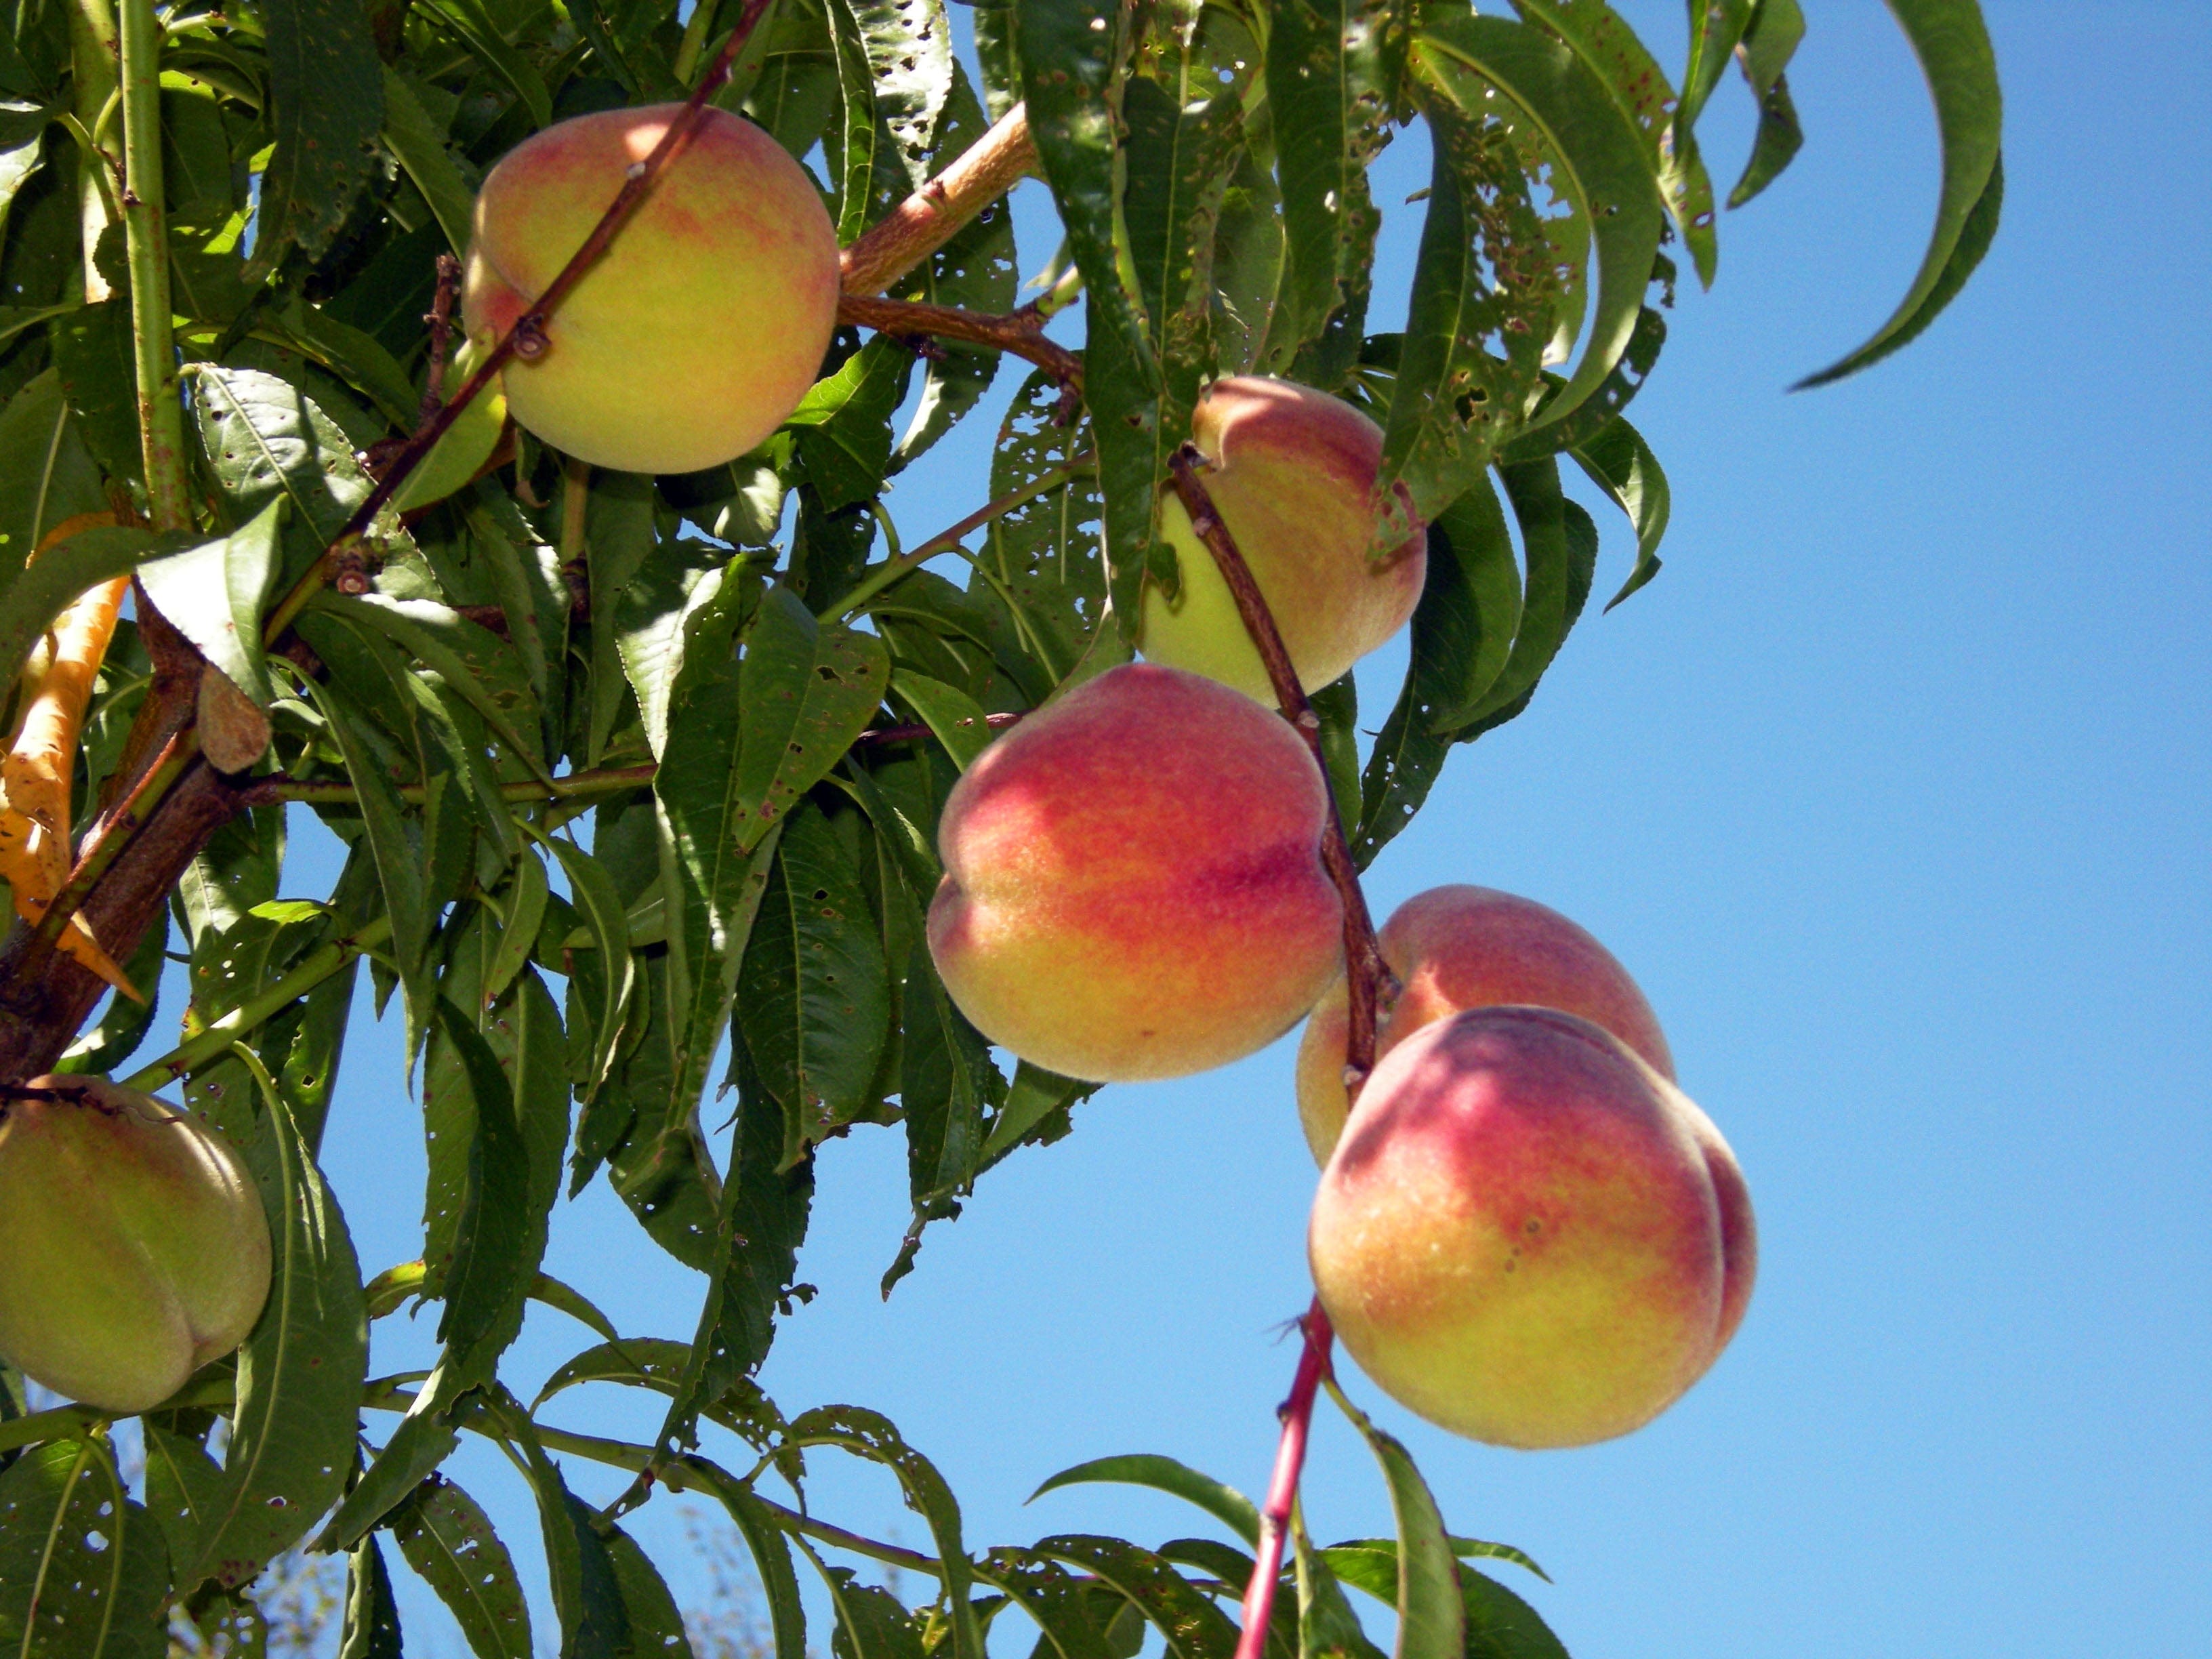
1368 976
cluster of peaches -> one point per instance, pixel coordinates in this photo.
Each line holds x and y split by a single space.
1525 1232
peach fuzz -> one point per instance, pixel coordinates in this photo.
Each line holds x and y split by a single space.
703 325
135 1248
1463 947
1294 479
1133 880
1517 1237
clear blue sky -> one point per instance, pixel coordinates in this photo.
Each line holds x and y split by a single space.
1892 790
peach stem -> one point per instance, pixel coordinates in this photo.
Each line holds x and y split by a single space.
1366 973
1297 1415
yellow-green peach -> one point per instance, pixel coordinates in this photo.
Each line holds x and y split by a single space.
1463 947
1133 880
704 322
1294 479
134 1249
1517 1237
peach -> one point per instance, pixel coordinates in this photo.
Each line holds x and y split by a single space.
1294 479
1518 1237
1133 880
1461 947
135 1248
703 325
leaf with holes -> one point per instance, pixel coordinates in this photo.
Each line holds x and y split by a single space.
82 1571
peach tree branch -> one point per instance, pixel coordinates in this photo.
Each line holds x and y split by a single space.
1021 332
933 214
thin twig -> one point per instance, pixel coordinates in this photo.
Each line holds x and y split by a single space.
440 320
916 734
935 213
1366 973
874 582
1021 332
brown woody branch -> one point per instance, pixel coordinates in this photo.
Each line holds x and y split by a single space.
935 214
1021 332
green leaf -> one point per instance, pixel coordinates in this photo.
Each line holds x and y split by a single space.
975 271
1639 89
868 1435
82 1572
656 1623
1769 43
396 856
602 906
372 1616
1953 44
760 1223
1071 54
871 1622
1048 553
485 1282
1621 463
469 21
1432 1617
1346 1559
1055 1598
910 52
1780 137
1327 1624
419 146
619 539
771 1552
955 718
844 423
527 895
594 1624
91 348
213 595
1558 101
1193 1627
808 688
300 1373
947 1085
656 1150
1225 1503
653 617
471 660
327 97
265 438
445 1536
1561 545
1471 353
813 992
184 1489
1463 638
851 148
1333 69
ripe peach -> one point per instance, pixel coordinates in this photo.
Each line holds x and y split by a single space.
1294 479
134 1250
1133 880
1463 947
703 325
1518 1237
